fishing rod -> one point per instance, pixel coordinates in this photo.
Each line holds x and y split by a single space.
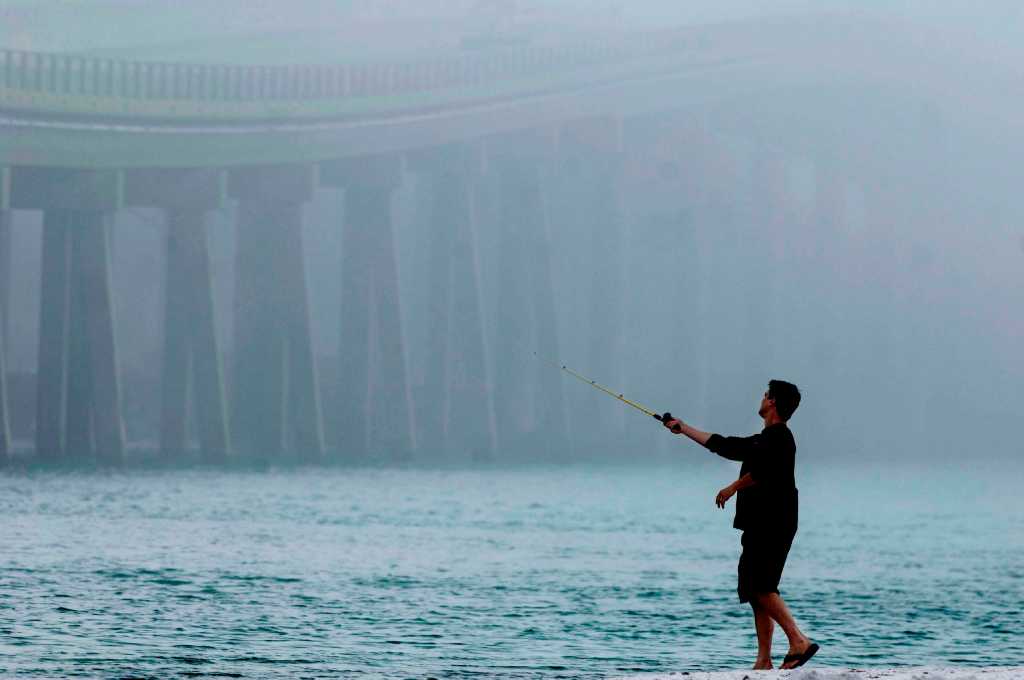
593 383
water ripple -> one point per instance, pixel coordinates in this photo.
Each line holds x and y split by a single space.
462 574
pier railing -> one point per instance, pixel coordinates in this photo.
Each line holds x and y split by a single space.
49 83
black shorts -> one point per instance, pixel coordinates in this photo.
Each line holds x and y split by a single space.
761 562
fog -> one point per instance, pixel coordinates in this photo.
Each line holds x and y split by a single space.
859 235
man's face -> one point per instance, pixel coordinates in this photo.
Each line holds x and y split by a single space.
766 405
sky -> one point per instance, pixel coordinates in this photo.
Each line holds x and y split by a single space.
158 26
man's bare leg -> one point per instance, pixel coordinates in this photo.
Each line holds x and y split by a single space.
776 608
765 627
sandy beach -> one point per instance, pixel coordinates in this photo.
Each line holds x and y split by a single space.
920 673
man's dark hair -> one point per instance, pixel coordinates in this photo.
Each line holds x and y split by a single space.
786 397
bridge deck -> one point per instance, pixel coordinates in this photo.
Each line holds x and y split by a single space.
108 112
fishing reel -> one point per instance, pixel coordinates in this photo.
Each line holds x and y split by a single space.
665 417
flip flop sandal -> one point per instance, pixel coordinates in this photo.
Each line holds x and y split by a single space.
801 659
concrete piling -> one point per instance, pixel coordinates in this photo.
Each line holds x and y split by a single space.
192 369
92 253
375 414
276 400
51 374
469 409
531 406
176 368
6 223
456 407
77 205
591 151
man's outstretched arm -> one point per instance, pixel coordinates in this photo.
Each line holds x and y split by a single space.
730 448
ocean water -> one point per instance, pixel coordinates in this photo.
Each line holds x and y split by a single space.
532 572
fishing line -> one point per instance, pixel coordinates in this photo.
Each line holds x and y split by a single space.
596 385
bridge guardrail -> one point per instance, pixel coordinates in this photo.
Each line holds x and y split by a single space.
49 83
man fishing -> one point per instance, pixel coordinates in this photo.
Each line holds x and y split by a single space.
766 510
766 513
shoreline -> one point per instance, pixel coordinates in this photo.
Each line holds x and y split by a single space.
825 673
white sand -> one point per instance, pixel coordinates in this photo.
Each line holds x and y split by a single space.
924 673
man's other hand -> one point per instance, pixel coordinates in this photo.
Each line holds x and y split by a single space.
724 495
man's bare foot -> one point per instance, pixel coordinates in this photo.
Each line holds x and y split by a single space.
760 665
796 650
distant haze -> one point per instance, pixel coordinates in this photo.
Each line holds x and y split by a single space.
902 321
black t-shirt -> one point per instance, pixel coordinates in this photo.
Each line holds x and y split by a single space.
770 458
